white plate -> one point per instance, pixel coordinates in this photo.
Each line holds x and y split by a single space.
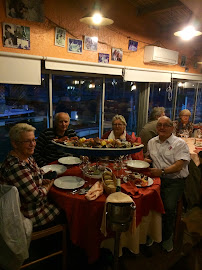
96 176
69 182
150 182
59 169
137 164
69 160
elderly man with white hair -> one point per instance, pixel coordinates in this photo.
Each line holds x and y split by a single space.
170 158
45 151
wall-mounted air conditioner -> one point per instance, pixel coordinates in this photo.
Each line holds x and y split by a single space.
161 56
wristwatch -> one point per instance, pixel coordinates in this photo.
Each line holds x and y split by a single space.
163 172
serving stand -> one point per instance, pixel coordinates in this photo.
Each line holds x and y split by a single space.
99 152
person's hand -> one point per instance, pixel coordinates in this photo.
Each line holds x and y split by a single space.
148 160
155 172
49 185
46 181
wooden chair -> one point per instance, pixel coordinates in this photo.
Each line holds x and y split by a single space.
45 233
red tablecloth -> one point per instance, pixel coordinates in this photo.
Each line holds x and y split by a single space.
85 216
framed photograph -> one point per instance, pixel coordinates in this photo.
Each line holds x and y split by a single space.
103 58
32 10
60 37
117 54
132 45
90 43
75 45
16 36
183 61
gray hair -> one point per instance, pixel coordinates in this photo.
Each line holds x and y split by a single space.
57 116
119 117
170 122
15 131
185 112
156 113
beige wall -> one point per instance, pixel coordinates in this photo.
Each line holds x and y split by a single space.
66 14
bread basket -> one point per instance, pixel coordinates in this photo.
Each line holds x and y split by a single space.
109 182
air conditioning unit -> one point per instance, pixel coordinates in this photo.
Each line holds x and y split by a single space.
161 56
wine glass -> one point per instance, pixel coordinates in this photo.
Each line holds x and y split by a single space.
198 133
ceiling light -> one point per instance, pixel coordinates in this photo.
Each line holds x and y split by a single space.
188 33
96 18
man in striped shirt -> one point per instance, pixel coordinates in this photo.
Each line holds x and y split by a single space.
45 151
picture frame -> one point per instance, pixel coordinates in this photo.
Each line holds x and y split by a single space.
117 54
90 43
132 45
16 36
60 37
32 10
75 45
103 58
183 61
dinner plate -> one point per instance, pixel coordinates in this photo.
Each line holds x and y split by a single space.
150 182
59 169
137 164
69 182
69 160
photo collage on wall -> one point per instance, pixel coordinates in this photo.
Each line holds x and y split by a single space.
17 36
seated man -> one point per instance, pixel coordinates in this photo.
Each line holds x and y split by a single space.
46 151
170 157
149 130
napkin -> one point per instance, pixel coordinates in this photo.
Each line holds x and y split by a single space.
117 197
131 189
95 191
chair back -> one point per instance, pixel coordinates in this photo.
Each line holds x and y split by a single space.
15 229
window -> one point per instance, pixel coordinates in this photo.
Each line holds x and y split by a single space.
198 115
161 95
186 92
121 98
22 103
80 98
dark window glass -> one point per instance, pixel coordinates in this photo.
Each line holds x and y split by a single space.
161 95
22 104
80 98
121 98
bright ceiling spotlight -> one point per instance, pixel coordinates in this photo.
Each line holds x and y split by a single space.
188 33
96 18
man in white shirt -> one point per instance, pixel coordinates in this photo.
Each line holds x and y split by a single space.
170 158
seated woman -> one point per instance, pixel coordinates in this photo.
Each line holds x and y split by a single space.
119 132
19 169
183 125
45 151
118 129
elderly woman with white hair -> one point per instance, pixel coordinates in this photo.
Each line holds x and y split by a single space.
20 169
118 129
183 127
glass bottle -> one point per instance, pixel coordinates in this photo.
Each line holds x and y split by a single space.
118 185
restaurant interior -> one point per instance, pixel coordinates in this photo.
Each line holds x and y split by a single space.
134 61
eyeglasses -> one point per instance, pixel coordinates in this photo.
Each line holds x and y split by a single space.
163 125
28 141
119 125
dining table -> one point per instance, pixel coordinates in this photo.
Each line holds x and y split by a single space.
85 217
192 148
